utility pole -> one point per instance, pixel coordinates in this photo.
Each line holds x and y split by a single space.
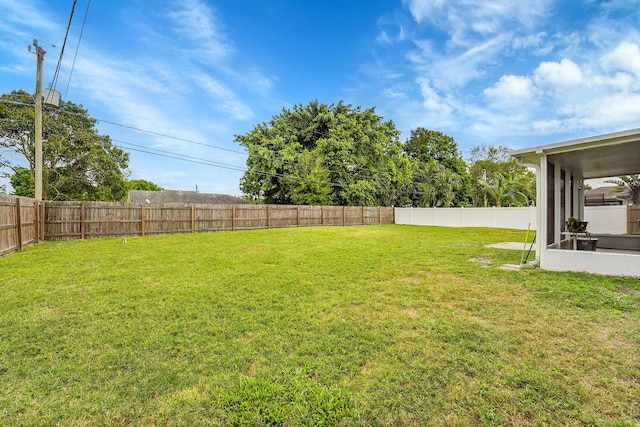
38 154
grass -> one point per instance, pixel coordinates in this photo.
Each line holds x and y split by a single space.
376 325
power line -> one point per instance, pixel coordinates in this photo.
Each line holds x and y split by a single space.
173 155
77 48
177 156
171 137
234 151
363 168
54 81
28 38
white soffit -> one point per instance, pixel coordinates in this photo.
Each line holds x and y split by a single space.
599 156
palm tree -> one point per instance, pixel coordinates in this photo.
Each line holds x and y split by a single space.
629 184
437 185
504 189
448 185
427 181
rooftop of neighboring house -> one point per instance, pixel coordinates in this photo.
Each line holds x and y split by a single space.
609 195
179 196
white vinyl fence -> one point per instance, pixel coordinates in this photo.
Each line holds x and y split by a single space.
606 219
602 219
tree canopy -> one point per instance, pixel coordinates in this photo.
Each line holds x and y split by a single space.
440 175
326 154
424 145
143 185
498 180
313 154
339 154
78 162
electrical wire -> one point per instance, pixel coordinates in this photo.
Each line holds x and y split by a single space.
177 156
170 136
373 171
84 21
54 81
28 38
347 172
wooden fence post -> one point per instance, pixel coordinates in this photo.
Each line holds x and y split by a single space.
193 218
233 218
19 223
363 215
322 215
36 221
42 220
142 220
268 217
344 222
298 217
379 215
82 221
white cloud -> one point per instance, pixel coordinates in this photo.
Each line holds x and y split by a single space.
384 38
223 99
537 44
463 18
195 21
25 14
259 82
392 93
422 10
509 87
613 111
625 57
550 126
565 73
602 98
456 70
391 29
437 108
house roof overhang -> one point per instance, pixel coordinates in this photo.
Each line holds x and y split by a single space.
612 154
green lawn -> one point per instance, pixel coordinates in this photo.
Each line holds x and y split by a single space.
375 325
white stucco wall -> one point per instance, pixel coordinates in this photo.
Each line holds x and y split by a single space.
591 262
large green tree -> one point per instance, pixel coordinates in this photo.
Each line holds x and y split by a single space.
22 182
440 175
78 162
497 179
143 185
424 145
318 153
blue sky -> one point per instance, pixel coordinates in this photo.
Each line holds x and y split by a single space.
197 72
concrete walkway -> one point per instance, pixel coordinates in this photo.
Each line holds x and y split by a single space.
514 246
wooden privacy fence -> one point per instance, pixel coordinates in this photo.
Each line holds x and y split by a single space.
19 225
87 220
633 219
